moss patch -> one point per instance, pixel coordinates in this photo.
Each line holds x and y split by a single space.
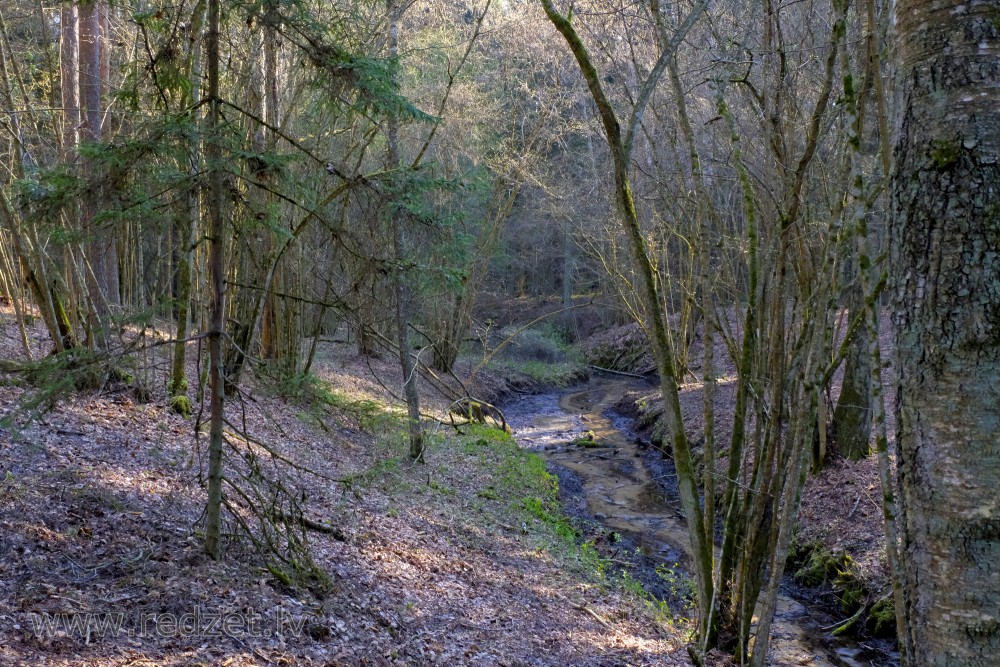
945 153
882 617
815 565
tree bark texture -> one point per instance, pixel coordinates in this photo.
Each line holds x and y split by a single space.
399 249
946 281
69 49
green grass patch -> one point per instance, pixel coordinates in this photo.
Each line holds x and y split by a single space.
319 398
553 518
382 473
557 374
482 481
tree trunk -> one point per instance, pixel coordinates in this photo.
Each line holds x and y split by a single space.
24 234
620 145
187 226
399 245
69 47
945 262
216 235
102 250
852 419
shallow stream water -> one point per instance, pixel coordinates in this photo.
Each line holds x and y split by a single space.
626 491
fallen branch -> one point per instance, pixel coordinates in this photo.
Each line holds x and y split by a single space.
855 508
309 524
843 625
614 372
584 608
475 410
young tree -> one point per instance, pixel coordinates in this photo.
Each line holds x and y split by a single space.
400 246
621 145
945 262
216 264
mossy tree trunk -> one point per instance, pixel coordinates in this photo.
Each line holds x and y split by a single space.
852 418
620 144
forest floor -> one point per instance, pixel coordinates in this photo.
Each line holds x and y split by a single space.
466 559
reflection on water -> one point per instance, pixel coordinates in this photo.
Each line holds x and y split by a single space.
624 496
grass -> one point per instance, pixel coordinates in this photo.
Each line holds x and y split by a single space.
515 489
557 374
319 398
544 356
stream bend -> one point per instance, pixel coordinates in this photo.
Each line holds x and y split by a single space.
622 492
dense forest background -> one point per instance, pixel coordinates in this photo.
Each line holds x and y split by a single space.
195 195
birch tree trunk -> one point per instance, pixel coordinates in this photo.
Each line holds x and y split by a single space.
945 263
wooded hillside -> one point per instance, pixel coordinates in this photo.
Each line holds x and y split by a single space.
206 206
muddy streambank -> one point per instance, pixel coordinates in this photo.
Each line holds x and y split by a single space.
625 495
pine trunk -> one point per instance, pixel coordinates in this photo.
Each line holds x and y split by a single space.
102 250
216 266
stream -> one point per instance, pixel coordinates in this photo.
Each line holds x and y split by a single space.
631 491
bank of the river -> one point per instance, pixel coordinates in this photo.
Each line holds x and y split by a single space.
467 560
838 555
627 488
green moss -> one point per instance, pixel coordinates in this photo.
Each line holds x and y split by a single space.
180 404
852 592
819 565
816 565
847 626
176 388
279 574
588 440
945 153
882 617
